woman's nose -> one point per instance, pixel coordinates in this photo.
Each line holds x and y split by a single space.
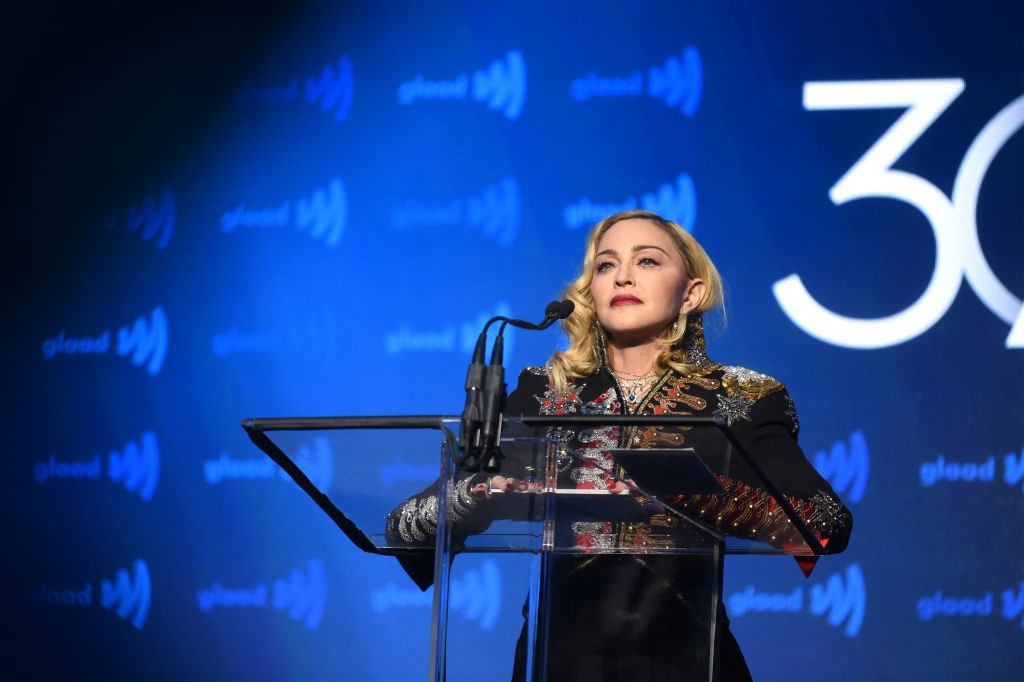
624 276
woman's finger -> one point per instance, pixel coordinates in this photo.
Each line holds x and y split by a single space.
619 485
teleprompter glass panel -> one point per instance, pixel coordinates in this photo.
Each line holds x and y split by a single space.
559 499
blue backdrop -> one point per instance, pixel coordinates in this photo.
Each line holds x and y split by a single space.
225 214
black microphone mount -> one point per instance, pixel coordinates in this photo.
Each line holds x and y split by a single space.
487 394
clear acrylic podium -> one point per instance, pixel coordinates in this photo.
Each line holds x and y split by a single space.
570 548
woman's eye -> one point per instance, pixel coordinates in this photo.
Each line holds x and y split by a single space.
647 261
601 267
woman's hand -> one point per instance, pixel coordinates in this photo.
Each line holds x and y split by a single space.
619 485
501 483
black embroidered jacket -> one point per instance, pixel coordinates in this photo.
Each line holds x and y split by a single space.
757 408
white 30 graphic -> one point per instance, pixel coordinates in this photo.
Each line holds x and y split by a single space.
953 222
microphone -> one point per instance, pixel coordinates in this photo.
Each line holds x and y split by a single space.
472 412
559 310
556 310
496 392
495 399
487 394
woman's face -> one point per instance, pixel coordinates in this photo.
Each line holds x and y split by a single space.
640 285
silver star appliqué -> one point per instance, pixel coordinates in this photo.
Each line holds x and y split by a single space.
733 407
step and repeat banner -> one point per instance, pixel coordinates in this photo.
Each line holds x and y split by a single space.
313 212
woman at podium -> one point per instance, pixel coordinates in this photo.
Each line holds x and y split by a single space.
636 346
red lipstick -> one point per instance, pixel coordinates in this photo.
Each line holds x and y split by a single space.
625 299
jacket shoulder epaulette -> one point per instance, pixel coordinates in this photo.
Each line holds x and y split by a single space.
753 385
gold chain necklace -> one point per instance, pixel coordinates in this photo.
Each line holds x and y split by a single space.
635 389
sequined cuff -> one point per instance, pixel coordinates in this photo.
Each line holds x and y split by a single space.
415 520
830 518
463 501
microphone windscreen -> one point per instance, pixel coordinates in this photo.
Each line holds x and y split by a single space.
564 309
553 309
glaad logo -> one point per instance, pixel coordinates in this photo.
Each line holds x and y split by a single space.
145 342
679 83
970 472
322 215
1013 604
451 338
940 604
675 202
50 596
137 467
477 595
154 218
953 219
258 342
331 89
303 594
403 471
1013 468
846 467
496 212
501 86
126 595
841 601
314 458
311 337
225 467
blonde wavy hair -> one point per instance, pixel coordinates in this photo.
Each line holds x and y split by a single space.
581 358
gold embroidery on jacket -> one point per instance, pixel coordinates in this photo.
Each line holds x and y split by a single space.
753 385
667 399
